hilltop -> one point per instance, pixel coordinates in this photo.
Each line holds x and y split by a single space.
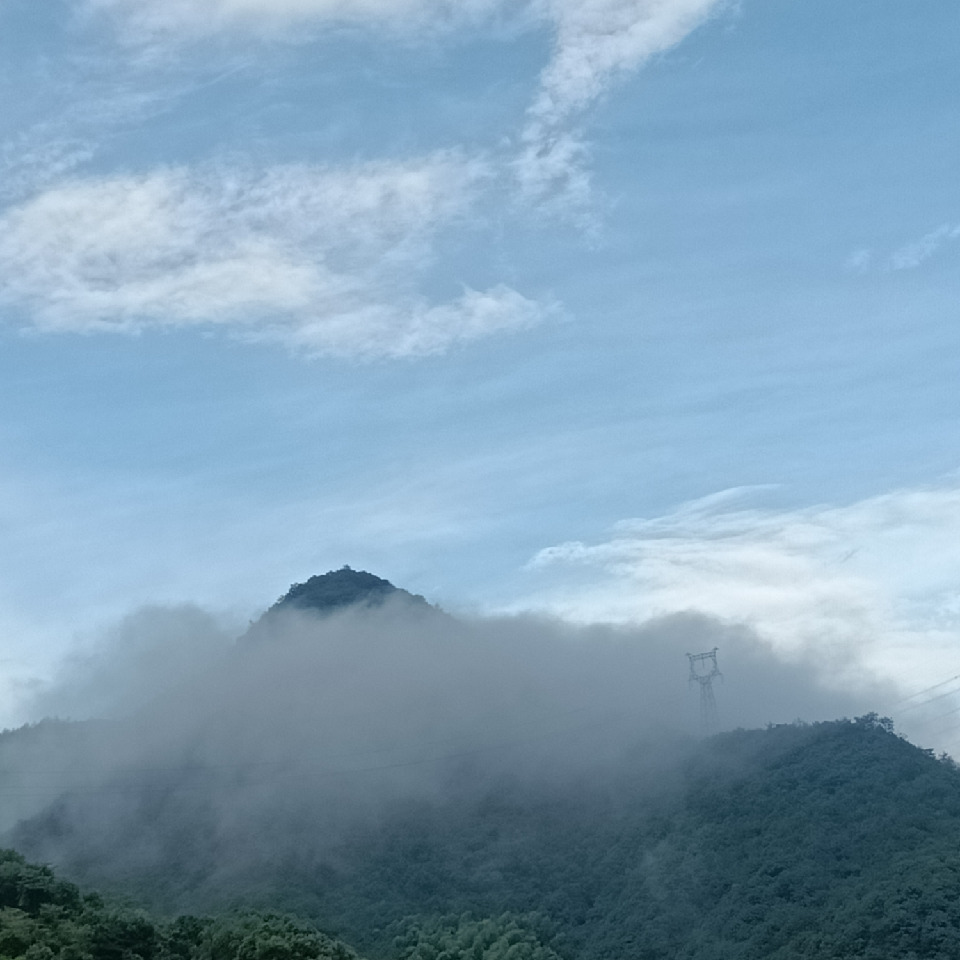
341 588
337 591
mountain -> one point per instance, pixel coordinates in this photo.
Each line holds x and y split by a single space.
336 591
426 788
833 841
343 588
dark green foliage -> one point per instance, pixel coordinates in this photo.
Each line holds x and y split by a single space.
341 588
43 918
333 592
834 841
466 938
28 887
254 936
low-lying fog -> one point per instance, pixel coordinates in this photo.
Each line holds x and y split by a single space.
344 711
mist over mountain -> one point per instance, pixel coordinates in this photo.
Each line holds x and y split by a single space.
832 841
835 840
378 759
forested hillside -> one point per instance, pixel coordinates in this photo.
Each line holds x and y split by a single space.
835 840
335 591
42 918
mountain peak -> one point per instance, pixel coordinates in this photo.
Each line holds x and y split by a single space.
342 588
338 590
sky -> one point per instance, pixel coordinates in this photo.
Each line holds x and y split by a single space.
608 309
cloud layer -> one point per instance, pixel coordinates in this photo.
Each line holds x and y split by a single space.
326 259
333 261
870 589
368 705
595 42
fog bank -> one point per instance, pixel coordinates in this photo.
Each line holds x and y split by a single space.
192 744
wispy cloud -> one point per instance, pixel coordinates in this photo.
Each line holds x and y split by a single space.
146 20
329 260
600 40
326 259
860 261
872 588
911 255
907 257
596 43
38 158
85 102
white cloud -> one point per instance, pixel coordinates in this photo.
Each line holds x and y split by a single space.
595 39
552 170
34 160
326 259
872 588
145 19
332 261
92 102
597 42
911 255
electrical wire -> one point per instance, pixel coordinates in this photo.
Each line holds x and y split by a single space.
920 693
923 703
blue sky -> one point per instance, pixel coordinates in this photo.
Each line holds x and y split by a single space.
608 308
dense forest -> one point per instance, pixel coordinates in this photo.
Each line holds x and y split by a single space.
43 917
424 790
833 840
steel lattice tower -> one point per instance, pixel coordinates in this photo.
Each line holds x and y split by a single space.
703 669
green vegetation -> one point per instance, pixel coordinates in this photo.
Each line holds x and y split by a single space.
43 918
832 841
342 588
334 592
449 938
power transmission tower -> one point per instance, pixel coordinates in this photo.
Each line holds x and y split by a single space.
703 669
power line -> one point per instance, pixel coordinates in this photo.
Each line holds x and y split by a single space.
935 724
924 703
920 693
